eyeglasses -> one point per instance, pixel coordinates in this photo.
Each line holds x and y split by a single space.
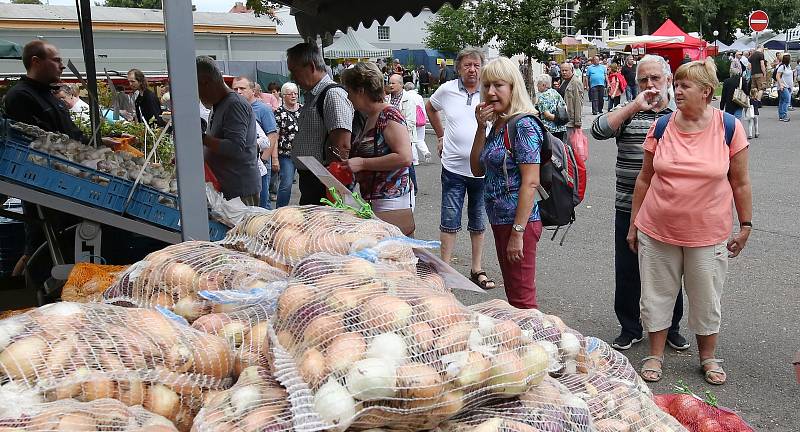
654 78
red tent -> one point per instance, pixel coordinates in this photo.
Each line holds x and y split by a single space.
674 52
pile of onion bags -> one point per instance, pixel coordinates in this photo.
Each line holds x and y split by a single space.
566 347
172 277
245 331
90 351
255 403
107 415
285 236
364 345
697 415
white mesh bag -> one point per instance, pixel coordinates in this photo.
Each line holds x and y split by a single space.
255 403
108 415
90 351
365 345
173 277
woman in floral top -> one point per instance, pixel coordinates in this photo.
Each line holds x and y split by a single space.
380 157
286 117
547 101
510 165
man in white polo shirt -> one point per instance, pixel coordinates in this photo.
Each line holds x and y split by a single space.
457 99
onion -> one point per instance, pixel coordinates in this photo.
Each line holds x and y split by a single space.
256 224
212 356
450 404
63 353
286 340
322 329
536 361
421 337
163 401
389 347
454 338
131 392
372 378
508 374
17 398
312 366
233 332
96 387
163 299
256 340
293 297
61 314
418 381
570 346
9 329
507 333
250 374
291 243
494 424
210 281
245 398
385 313
179 275
359 268
23 358
344 350
334 404
472 368
184 418
192 307
160 328
441 311
212 323
180 358
264 417
288 216
76 422
329 242
343 299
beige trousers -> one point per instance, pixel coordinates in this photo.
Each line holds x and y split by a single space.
664 267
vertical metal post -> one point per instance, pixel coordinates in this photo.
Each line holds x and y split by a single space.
87 39
179 30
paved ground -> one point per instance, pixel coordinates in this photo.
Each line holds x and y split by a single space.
761 304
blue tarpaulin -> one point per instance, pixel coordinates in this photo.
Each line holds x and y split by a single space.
426 57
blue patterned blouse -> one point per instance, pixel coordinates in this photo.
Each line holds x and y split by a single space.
501 196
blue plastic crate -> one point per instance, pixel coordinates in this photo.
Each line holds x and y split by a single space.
217 231
155 207
89 186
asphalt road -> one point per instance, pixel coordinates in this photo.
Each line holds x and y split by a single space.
761 304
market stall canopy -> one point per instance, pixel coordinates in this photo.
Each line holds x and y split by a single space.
600 44
350 46
10 50
721 47
741 45
643 40
779 42
319 17
670 29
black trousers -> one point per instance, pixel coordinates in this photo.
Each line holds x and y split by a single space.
628 289
596 94
311 189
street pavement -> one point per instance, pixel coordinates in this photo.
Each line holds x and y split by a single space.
761 303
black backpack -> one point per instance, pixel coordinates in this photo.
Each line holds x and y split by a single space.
358 120
558 176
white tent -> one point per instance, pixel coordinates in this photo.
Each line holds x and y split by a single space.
741 45
349 46
644 39
721 47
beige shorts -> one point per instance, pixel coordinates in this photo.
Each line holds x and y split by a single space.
662 269
759 81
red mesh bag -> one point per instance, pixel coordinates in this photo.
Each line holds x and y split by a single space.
698 415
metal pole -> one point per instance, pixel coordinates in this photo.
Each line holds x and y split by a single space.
85 24
179 30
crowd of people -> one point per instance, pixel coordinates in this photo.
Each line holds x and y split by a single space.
681 166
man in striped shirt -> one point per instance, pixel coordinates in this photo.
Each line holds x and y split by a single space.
629 124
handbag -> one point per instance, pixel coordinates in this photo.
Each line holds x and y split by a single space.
562 116
740 98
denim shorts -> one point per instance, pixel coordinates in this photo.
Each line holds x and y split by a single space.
454 186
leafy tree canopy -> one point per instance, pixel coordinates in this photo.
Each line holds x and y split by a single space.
26 2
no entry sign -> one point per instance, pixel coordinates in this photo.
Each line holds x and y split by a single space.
758 21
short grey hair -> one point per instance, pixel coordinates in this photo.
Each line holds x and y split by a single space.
652 58
409 86
289 87
470 52
569 64
545 79
307 54
207 66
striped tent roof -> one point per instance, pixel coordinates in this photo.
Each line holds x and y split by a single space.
349 46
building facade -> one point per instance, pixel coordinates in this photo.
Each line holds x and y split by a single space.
406 33
565 23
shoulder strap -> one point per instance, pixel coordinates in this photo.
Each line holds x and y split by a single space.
661 126
729 121
320 102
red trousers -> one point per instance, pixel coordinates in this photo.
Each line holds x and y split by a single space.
519 278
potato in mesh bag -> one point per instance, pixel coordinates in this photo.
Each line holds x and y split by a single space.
285 236
107 415
366 345
173 277
94 351
255 403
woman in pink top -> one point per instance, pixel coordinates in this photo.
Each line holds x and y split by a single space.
682 208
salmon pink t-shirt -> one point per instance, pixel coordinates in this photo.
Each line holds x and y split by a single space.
690 201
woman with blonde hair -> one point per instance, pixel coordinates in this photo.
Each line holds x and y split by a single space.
695 171
510 162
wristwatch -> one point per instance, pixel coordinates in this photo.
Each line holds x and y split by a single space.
518 228
746 224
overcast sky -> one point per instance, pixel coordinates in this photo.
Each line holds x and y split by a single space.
202 5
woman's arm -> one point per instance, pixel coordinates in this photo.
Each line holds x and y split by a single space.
739 178
398 141
481 114
639 192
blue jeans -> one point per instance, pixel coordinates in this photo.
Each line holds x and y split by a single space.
263 198
454 186
784 99
631 91
739 113
287 177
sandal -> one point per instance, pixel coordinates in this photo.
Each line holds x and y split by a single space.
656 377
484 284
707 373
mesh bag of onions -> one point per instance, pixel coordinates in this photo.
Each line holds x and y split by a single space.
172 277
589 403
109 415
363 345
603 359
285 236
90 351
255 403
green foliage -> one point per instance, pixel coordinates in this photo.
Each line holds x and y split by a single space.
26 2
140 4
264 7
723 67
455 29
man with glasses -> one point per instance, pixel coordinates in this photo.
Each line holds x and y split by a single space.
629 123
457 99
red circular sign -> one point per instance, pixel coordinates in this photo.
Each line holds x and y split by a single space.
758 21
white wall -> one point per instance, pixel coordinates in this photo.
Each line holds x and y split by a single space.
409 32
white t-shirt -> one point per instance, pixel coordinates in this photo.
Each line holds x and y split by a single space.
786 74
453 101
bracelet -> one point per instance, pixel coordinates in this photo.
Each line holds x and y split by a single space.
746 224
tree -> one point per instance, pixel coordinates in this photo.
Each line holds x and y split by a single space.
26 2
454 29
264 7
140 4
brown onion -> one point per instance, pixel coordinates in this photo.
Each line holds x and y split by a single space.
344 350
312 367
322 329
418 381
